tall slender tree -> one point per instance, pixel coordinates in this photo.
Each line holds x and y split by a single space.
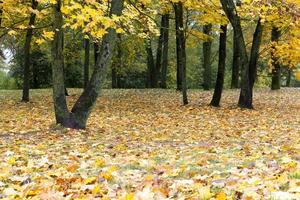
207 50
165 51
27 48
221 68
236 60
86 61
152 72
181 51
276 68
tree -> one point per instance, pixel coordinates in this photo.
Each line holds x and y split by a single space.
86 61
165 50
180 49
221 68
27 47
276 69
207 29
152 70
245 99
79 114
236 61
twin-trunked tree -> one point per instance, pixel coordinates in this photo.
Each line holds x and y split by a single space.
77 117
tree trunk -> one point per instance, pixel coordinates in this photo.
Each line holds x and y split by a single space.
96 53
254 56
178 18
165 51
117 65
181 53
276 70
159 51
245 99
66 90
80 112
221 68
86 61
288 79
27 47
236 61
207 29
152 74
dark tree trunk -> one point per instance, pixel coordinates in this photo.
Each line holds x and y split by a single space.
254 55
276 70
159 51
86 61
80 112
96 53
152 73
236 61
165 51
178 18
221 68
27 47
181 53
1 12
63 65
117 65
288 79
245 99
207 29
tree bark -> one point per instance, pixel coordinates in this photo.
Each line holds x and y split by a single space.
181 52
80 112
254 55
288 79
207 29
152 73
276 68
236 61
27 48
221 68
245 99
165 51
117 65
86 61
96 53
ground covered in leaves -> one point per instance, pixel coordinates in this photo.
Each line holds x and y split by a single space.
143 145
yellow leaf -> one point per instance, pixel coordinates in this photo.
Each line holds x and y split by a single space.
99 162
11 161
221 196
96 189
90 180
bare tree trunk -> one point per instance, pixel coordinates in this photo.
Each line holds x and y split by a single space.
181 53
276 70
207 29
27 48
165 51
152 74
254 56
117 65
288 79
236 62
221 68
86 61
